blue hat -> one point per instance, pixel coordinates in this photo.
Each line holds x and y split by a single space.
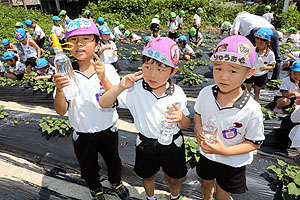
8 55
19 24
41 63
147 38
28 23
100 20
20 34
68 21
296 66
5 42
55 18
182 39
264 33
104 29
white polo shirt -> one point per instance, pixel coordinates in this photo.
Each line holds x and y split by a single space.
179 19
194 38
148 110
85 114
187 49
108 55
261 60
136 37
38 32
117 31
19 67
245 22
197 18
268 17
237 123
173 26
51 71
295 37
294 53
58 31
280 34
287 85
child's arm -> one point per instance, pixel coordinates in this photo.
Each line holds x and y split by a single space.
103 49
290 94
198 128
292 56
267 67
32 43
100 70
19 71
106 101
183 122
60 104
43 77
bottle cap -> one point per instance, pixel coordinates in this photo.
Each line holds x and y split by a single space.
57 46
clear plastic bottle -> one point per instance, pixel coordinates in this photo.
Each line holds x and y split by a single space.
2 67
210 129
63 66
166 130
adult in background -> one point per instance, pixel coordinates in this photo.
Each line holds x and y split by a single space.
247 24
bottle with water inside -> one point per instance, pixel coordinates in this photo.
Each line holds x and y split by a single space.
63 65
166 130
210 129
2 67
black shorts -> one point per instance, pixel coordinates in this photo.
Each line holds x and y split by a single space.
150 156
18 76
288 106
173 35
117 66
259 81
30 61
230 179
41 42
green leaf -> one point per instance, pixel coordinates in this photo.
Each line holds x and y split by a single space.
297 178
1 116
5 114
281 163
1 107
292 188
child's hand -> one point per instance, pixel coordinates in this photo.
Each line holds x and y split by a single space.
107 47
174 115
217 148
99 67
297 95
37 78
263 68
199 135
128 80
60 81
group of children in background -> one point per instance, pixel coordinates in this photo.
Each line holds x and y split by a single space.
160 143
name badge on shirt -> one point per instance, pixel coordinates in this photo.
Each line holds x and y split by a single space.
231 132
100 92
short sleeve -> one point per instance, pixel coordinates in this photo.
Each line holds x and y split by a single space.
284 85
183 102
255 127
295 117
53 29
236 24
197 107
122 99
195 16
111 74
271 60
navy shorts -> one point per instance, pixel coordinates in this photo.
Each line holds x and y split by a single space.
259 81
150 156
231 179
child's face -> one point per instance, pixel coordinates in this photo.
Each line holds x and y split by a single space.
84 46
229 77
44 69
156 76
11 61
105 37
260 44
295 76
173 19
24 40
57 22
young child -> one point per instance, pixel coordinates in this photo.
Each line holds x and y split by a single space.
21 25
88 14
95 130
116 29
281 34
44 70
226 26
64 16
195 37
292 57
186 52
268 15
38 33
58 29
122 36
155 23
147 39
31 50
179 19
134 37
197 18
9 46
294 36
237 118
100 21
16 69
173 26
159 110
264 61
108 49
289 90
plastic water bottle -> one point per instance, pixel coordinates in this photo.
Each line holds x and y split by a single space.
166 130
2 67
63 66
210 129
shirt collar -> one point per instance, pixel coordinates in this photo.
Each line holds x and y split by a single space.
169 91
240 102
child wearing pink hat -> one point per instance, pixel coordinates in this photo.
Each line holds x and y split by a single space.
95 128
158 107
228 122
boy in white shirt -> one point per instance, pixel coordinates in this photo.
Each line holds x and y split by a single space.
238 128
58 29
186 51
268 15
226 26
116 29
179 19
134 37
16 69
37 32
197 18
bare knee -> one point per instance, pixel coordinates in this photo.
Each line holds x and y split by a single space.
207 184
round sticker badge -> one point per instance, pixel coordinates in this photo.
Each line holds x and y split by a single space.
174 52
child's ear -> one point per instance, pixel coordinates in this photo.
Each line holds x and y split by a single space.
174 71
250 72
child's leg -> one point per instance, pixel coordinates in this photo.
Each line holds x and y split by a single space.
256 92
149 185
11 76
29 68
249 87
186 57
222 194
207 188
282 102
174 185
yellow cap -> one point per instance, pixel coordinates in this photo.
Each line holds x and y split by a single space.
56 45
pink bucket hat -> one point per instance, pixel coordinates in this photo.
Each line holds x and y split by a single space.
81 26
164 50
235 49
